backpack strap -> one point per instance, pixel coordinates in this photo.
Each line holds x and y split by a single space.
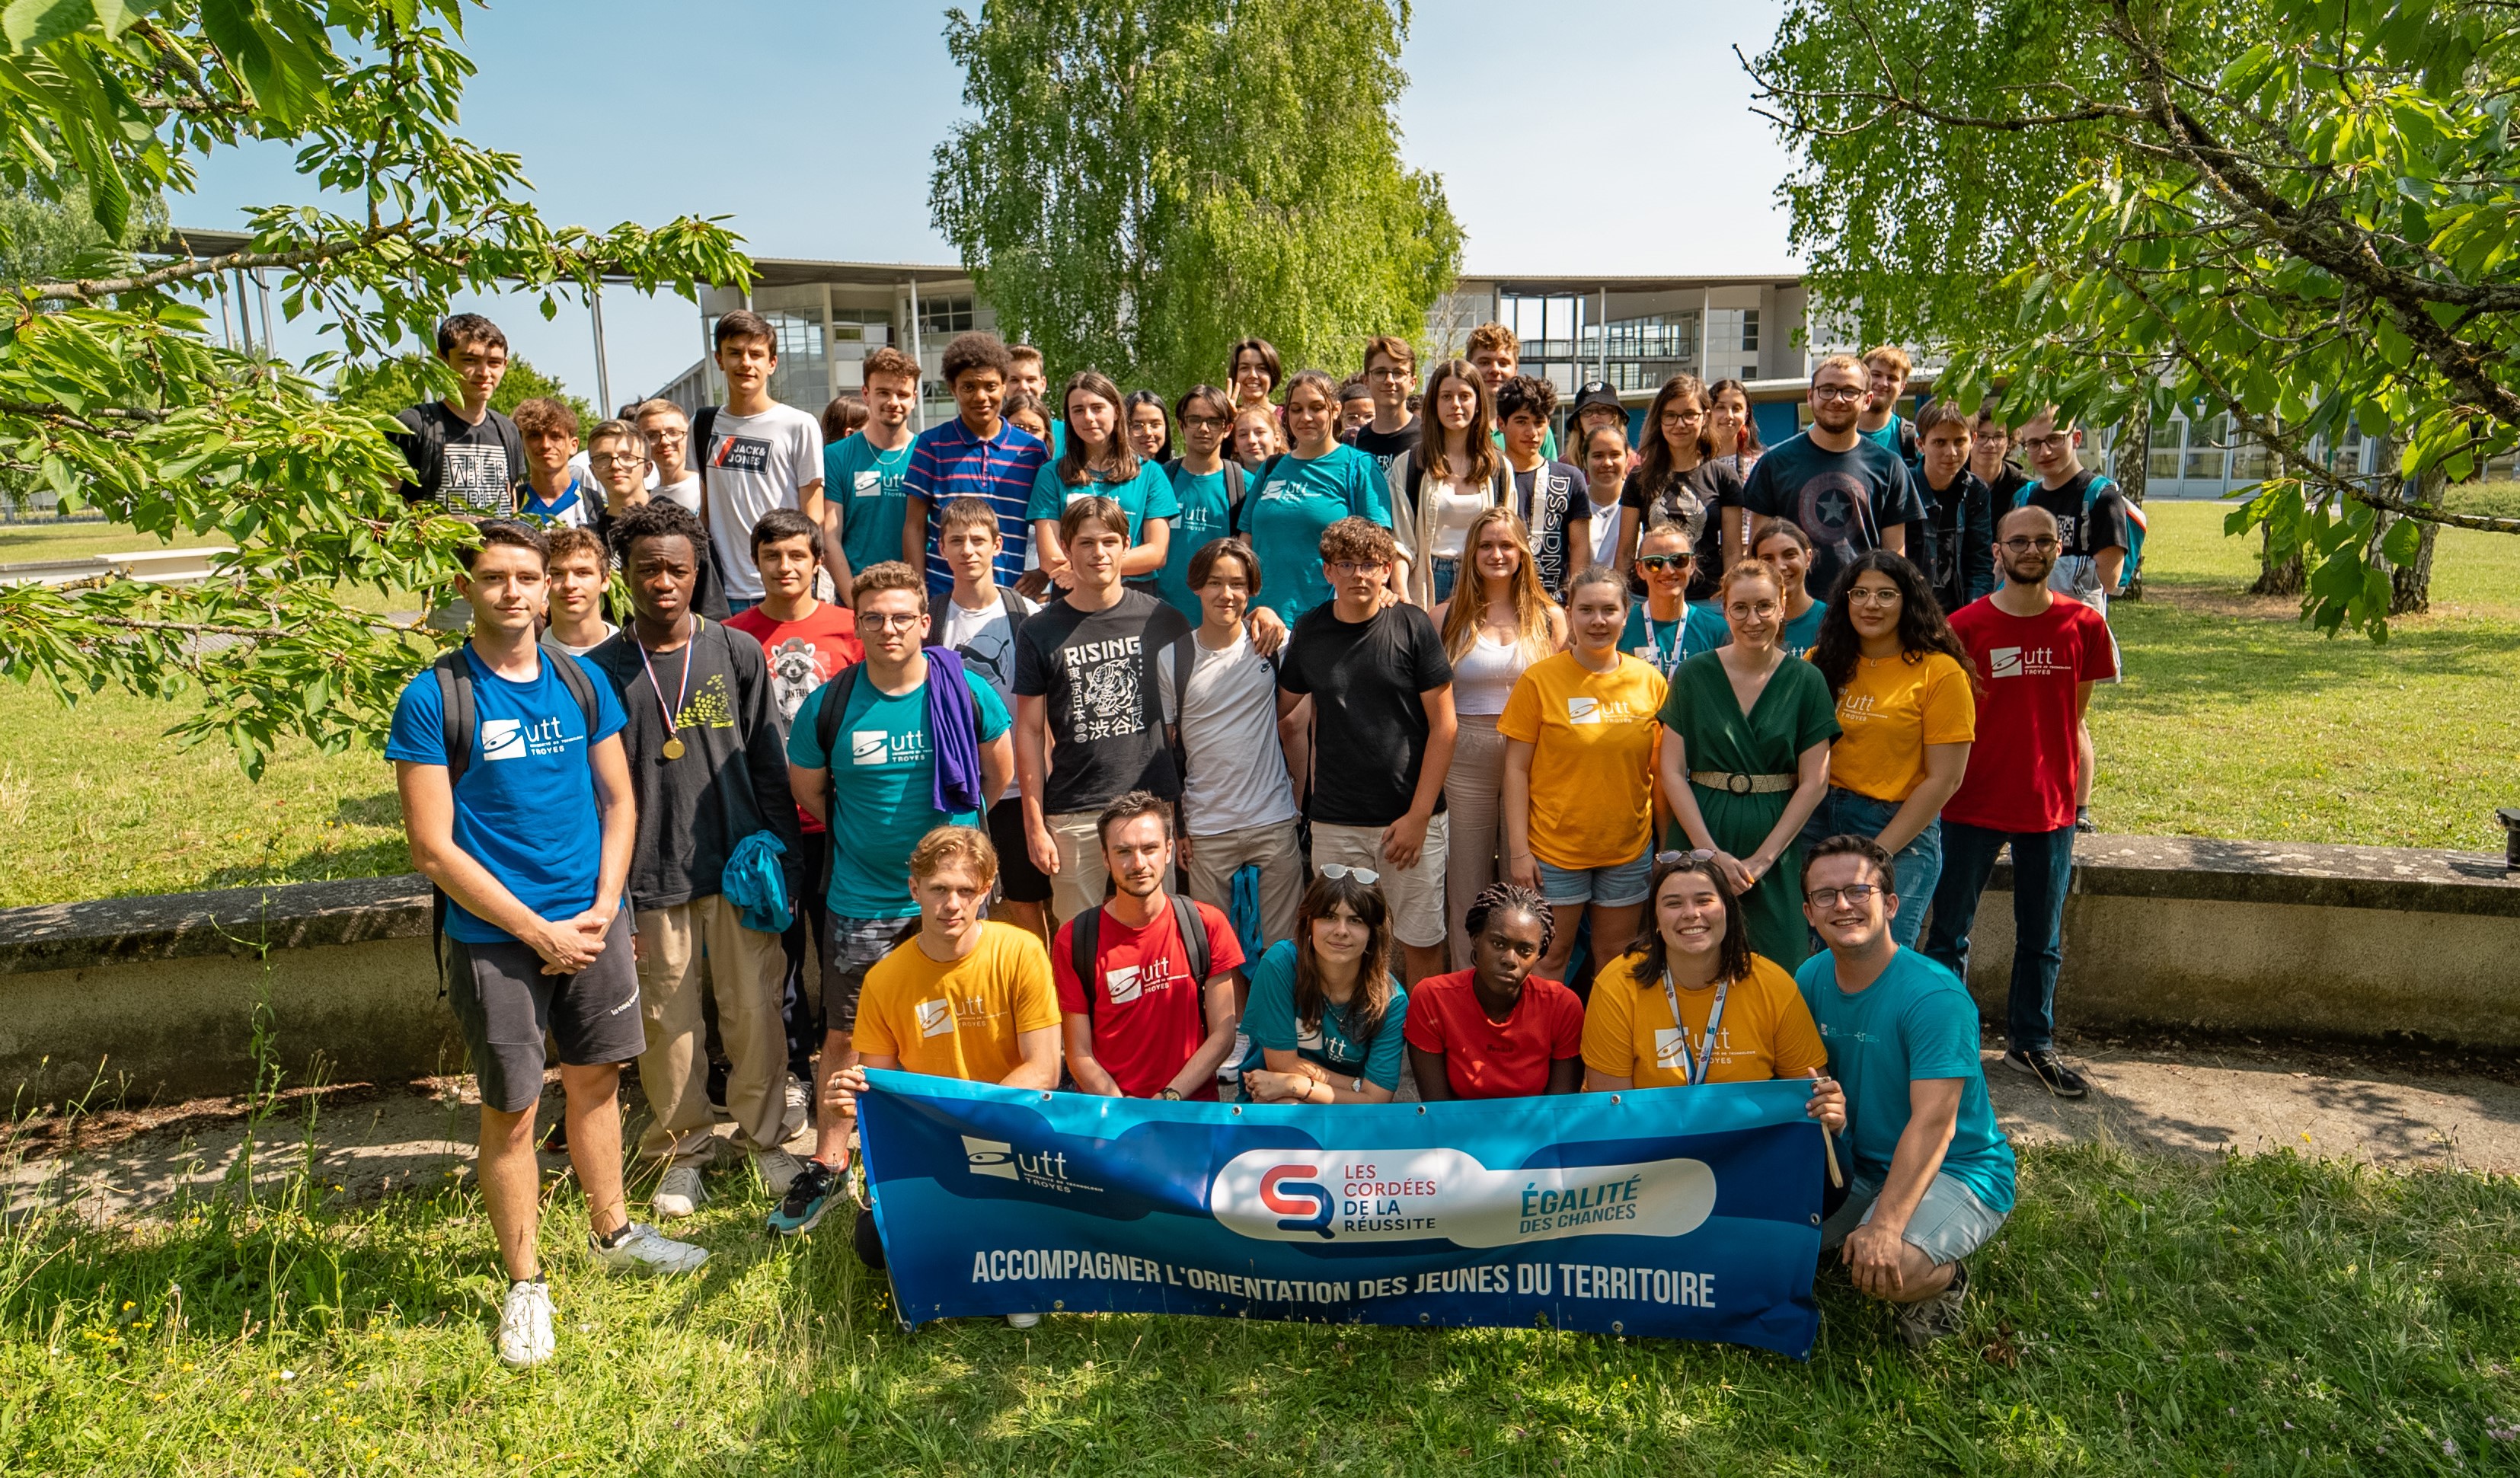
826 732
1184 660
1194 936
455 707
704 426
1084 940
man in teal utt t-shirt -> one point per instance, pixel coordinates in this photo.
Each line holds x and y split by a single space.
1932 1176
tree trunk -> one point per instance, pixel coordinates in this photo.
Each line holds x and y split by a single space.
2410 585
2132 460
2277 578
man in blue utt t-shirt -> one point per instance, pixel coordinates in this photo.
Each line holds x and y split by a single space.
525 822
1932 1178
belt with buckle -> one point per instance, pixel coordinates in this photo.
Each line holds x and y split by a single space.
1734 782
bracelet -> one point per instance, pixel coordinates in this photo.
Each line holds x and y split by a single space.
1170 1094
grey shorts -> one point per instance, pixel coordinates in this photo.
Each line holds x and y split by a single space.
850 948
1950 1223
505 1003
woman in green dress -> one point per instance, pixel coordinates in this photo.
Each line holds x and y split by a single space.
1744 759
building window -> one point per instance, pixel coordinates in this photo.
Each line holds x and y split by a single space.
945 315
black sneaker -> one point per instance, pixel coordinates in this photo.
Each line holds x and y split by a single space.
808 1197
2083 819
1928 1320
2048 1068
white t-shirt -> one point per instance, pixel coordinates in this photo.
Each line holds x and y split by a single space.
553 643
985 641
685 492
1237 773
1605 533
755 464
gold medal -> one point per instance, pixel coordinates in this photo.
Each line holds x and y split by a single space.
673 748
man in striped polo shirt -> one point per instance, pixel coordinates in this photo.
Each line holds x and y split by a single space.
976 454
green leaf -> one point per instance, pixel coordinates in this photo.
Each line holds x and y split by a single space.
2400 544
31 24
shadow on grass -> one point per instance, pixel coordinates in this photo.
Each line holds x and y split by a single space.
2180 661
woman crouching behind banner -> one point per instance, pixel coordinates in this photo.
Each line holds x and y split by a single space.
1498 1029
1326 1014
1690 1003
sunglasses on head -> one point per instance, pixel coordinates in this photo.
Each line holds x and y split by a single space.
1668 859
1366 876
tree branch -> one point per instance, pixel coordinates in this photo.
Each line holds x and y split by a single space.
88 289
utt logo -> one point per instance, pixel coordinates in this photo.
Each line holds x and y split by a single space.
1308 1209
994 1157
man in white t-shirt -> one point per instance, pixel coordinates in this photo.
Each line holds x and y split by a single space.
1238 803
668 430
760 454
979 624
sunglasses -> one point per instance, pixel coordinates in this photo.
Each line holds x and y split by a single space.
1338 870
1666 562
1667 858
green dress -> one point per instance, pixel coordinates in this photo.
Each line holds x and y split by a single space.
1793 713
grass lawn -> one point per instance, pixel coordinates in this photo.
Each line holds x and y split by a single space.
2233 721
2253 1315
24 543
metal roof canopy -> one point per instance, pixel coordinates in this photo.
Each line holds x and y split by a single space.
1558 284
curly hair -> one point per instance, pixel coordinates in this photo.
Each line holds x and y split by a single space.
1510 898
1921 627
659 519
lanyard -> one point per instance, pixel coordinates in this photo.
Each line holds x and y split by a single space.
673 747
1664 658
1694 1066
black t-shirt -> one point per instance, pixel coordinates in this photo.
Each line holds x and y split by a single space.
1368 681
1097 671
1717 486
1842 500
2104 528
1386 448
465 468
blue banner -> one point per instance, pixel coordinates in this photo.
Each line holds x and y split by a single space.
1681 1212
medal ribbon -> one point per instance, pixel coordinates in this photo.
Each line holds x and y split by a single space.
673 735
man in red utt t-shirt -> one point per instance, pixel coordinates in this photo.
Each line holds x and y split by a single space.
1496 1030
1151 1031
807 642
2037 659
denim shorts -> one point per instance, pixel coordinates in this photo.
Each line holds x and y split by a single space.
1610 887
1950 1223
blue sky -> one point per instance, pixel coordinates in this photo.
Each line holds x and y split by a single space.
813 137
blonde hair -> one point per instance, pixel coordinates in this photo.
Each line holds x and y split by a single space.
1893 356
1746 569
967 845
1468 609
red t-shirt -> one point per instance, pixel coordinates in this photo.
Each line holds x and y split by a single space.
2021 767
1493 1059
804 657
1150 1017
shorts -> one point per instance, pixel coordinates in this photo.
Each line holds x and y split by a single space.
850 948
1415 895
1950 1223
1619 887
1018 880
505 1003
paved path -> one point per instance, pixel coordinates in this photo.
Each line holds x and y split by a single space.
372 1142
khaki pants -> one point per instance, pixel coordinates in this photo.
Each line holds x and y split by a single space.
1473 797
1081 877
745 969
1214 860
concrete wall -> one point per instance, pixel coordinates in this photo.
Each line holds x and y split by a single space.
154 998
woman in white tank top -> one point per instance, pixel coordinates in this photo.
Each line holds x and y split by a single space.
1499 622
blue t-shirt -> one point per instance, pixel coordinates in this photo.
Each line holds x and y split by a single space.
1205 518
887 791
1700 628
864 485
1843 499
1887 436
1285 509
1270 1022
525 807
1915 1022
1148 495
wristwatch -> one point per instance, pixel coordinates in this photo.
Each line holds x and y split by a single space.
1170 1094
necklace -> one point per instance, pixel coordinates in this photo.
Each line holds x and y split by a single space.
673 748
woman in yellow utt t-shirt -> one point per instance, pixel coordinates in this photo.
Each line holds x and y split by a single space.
1578 798
1907 710
1692 1005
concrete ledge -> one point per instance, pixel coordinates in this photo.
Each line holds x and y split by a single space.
235 923
2307 874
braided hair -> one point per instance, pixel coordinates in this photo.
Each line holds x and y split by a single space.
1510 898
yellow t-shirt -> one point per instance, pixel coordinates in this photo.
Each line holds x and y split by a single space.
1892 708
1591 765
1767 1031
958 1020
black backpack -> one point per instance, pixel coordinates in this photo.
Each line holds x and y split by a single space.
456 707
1233 489
708 595
1084 936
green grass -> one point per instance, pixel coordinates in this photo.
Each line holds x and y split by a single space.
26 543
2252 1316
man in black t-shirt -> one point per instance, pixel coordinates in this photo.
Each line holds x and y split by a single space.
1085 678
1382 734
1390 375
464 457
1839 485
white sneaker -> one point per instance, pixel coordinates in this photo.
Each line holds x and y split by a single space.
800 1109
678 1195
525 1326
644 1249
1022 1320
778 1169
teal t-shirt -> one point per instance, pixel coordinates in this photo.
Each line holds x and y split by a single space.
1149 495
1664 648
1270 1022
1887 437
1915 1022
1288 503
1801 634
864 485
1707 626
1204 516
886 787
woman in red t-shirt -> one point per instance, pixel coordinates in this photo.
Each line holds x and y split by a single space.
1496 1030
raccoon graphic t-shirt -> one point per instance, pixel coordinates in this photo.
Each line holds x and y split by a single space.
883 779
804 655
751 465
1096 668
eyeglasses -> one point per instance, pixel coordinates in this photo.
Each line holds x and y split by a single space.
1339 869
617 458
2055 443
1837 392
1666 562
1208 422
1868 596
891 621
1668 859
2045 544
1346 567
1388 372
1682 417
1857 893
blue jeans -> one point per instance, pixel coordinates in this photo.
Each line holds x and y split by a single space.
2043 871
1918 864
1443 568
